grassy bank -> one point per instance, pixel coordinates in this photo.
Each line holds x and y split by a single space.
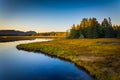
17 38
100 57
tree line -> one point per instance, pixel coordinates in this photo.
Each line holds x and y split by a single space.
91 28
50 34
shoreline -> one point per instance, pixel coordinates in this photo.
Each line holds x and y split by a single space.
51 49
17 38
65 59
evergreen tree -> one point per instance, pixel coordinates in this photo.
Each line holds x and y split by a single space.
90 28
93 28
118 31
73 32
107 28
84 23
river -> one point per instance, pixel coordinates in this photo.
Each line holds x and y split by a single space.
22 65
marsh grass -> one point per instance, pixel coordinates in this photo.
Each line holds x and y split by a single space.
101 60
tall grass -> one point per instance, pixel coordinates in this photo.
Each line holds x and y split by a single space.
101 60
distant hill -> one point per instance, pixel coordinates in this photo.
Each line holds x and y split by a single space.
15 33
30 33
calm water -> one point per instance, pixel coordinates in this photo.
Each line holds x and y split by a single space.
23 65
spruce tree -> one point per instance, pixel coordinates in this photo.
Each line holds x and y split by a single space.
108 29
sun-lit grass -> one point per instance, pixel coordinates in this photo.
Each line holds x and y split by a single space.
100 60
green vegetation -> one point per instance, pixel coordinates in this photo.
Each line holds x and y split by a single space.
91 28
50 34
100 57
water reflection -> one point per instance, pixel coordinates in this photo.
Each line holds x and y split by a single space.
22 65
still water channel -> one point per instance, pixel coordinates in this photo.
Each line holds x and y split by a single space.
22 65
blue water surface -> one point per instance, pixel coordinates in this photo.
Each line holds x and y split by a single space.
22 65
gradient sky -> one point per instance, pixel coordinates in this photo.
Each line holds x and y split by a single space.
54 15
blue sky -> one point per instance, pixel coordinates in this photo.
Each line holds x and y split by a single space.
54 15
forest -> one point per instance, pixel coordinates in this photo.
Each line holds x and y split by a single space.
91 28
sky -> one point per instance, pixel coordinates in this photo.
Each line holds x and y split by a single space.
54 15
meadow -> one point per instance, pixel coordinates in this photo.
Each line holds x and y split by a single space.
99 57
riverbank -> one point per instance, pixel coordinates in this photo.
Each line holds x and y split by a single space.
102 61
17 38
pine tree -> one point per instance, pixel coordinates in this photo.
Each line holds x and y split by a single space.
118 31
73 32
93 28
90 28
108 29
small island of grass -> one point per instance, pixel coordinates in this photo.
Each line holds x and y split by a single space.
99 57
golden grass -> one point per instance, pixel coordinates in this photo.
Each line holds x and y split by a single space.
101 60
